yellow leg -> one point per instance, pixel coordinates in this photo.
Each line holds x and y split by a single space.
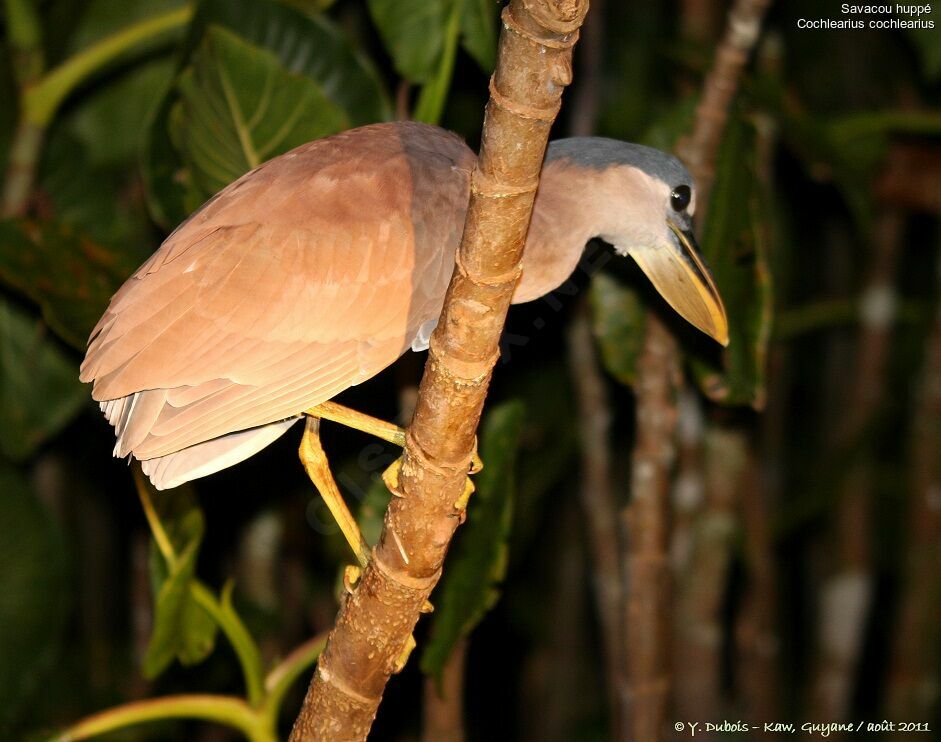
372 425
358 421
318 469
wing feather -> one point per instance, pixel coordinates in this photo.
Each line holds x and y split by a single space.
306 276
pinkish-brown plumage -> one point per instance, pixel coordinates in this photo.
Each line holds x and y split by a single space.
304 277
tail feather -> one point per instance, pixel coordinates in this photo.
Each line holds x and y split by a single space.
214 455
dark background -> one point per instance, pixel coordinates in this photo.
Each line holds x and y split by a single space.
808 497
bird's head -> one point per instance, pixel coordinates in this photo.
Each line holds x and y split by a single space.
649 201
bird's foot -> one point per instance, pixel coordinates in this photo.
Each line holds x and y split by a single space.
402 659
391 477
351 577
476 462
461 503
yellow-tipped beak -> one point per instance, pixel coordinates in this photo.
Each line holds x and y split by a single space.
684 281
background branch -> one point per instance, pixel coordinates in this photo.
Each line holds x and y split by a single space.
645 601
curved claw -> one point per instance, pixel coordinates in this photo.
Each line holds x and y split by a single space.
351 576
461 504
391 477
477 463
402 659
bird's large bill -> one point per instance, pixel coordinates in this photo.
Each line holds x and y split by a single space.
677 271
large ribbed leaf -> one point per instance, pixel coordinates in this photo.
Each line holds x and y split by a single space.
413 32
470 585
422 37
39 388
309 45
240 107
305 45
479 31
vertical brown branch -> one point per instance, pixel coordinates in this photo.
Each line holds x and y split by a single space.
645 523
598 502
700 149
595 489
656 417
756 632
756 635
914 679
443 717
376 620
701 586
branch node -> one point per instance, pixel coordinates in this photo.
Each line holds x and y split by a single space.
535 113
487 187
559 16
462 373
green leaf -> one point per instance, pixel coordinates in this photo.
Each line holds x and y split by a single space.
617 318
422 38
35 595
305 45
831 153
469 587
183 629
239 107
734 246
311 46
39 388
101 201
414 33
479 32
927 42
108 119
434 94
171 192
70 277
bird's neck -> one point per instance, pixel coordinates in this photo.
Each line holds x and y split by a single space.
569 211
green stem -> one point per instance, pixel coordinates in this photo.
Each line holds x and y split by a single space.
221 610
153 520
431 101
42 99
23 32
21 169
829 313
233 712
245 648
879 122
282 676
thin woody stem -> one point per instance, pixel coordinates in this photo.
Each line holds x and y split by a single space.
376 620
596 490
645 520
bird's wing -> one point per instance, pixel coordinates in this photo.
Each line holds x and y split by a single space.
302 278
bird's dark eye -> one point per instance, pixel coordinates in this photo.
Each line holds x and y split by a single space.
680 197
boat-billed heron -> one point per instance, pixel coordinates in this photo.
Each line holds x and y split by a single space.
318 269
